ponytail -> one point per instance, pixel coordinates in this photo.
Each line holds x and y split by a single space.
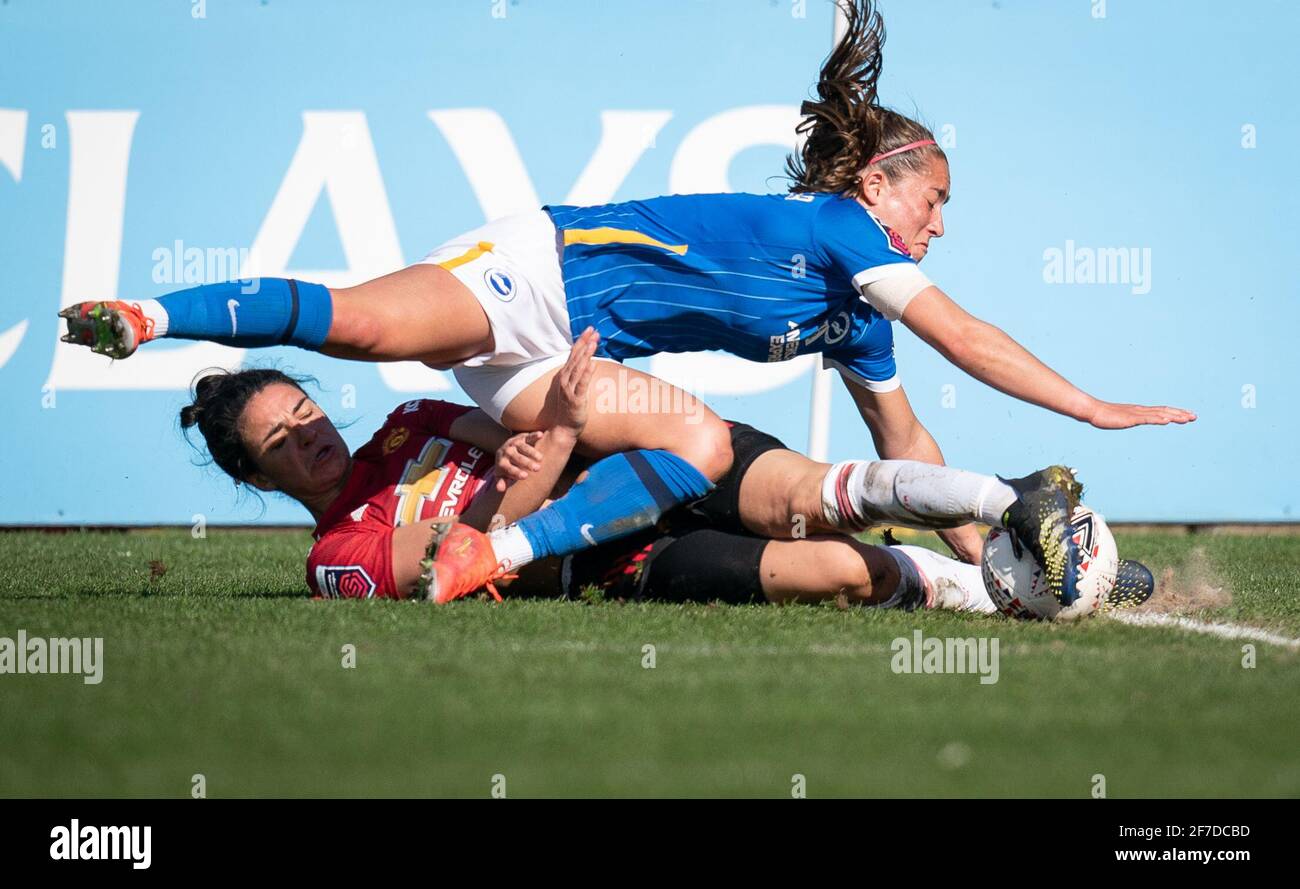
846 127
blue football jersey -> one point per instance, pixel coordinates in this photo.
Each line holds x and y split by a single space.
765 277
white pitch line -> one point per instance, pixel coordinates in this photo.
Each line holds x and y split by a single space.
1223 631
706 650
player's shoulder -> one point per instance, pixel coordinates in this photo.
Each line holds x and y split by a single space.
843 220
430 415
416 406
382 439
427 416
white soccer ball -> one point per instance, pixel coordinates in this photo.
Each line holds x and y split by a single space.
1016 584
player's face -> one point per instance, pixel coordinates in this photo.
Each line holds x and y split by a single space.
296 447
912 206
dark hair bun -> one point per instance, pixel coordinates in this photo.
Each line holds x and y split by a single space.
207 386
190 415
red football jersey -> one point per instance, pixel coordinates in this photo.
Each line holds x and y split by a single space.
410 470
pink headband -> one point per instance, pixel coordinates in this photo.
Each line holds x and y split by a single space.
908 147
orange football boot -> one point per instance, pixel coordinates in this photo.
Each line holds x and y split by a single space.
459 561
109 327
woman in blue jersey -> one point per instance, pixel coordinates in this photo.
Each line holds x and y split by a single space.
826 268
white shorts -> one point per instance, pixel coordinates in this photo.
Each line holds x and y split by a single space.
512 266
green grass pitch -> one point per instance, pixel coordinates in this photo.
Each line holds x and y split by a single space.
221 667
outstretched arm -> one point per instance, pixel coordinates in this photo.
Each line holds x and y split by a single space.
990 356
899 435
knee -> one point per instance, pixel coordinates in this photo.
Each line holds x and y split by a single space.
862 573
846 573
707 447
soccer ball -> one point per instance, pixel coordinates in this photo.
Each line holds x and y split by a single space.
1016 584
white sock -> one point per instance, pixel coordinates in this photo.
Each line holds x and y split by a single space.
511 547
154 311
955 586
859 493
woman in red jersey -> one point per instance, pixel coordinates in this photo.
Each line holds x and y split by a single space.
431 462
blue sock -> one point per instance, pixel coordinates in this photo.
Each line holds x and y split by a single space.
622 494
258 312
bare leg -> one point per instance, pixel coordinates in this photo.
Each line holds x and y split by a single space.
783 492
419 313
822 568
781 495
630 410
